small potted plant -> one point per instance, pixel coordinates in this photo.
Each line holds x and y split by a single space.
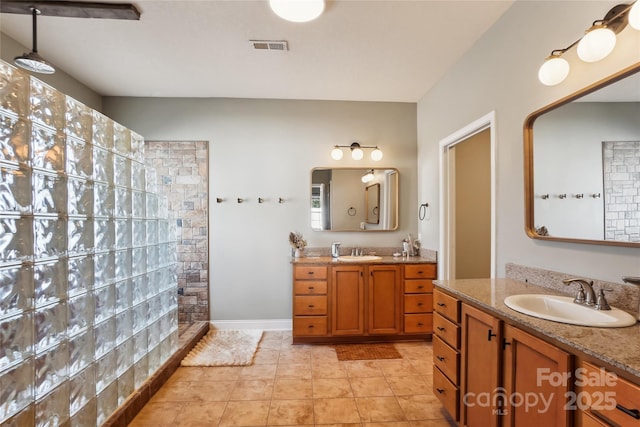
297 242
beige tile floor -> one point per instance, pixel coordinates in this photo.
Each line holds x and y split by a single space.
302 385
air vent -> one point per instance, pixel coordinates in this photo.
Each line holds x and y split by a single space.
278 45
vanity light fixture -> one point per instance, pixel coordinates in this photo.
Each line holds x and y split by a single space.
32 61
356 152
297 10
368 177
597 43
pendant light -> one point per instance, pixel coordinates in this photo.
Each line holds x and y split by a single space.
32 61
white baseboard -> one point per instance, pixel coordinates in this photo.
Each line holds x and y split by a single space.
264 324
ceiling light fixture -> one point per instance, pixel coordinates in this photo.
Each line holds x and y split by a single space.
32 61
356 152
297 10
597 43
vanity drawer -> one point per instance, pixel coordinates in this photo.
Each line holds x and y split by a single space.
447 305
310 326
447 330
418 323
625 394
418 303
446 359
302 272
418 286
309 305
447 392
310 287
420 271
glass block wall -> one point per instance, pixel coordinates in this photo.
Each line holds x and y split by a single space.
88 290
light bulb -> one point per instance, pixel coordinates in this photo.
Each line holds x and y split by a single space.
554 70
596 44
336 153
376 155
634 16
297 10
357 154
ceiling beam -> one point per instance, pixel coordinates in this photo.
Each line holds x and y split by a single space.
73 9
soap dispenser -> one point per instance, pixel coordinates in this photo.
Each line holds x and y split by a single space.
335 249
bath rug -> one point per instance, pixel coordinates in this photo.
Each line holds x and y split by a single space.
222 347
367 351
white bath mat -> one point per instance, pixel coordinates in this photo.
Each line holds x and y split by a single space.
224 348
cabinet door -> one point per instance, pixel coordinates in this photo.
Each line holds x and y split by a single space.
532 369
384 300
480 368
347 300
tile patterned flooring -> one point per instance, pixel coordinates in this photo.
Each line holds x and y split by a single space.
302 385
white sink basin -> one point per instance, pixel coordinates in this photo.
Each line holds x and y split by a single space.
361 258
564 310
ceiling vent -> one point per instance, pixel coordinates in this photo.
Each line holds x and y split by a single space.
277 45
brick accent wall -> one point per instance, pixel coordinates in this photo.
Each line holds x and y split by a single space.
182 175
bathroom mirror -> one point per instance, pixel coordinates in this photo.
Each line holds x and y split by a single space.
582 165
341 200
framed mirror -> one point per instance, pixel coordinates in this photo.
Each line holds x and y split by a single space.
354 199
582 165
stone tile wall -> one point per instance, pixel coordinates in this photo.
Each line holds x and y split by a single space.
621 191
182 175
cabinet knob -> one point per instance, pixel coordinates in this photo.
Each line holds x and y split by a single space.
441 304
440 358
420 272
311 288
420 304
311 326
310 272
440 390
440 328
311 306
420 324
490 334
420 287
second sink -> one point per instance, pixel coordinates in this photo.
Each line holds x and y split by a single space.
564 310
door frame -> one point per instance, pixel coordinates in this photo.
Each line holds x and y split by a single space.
447 166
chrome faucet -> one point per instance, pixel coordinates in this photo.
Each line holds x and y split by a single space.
585 294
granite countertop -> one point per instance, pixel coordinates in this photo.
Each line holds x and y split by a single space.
384 260
619 348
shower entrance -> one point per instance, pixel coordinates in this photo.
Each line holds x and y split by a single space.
182 175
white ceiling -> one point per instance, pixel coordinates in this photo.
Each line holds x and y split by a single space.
384 50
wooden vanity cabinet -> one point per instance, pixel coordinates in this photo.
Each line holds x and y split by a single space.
365 300
480 370
347 297
310 300
446 351
498 357
602 399
418 298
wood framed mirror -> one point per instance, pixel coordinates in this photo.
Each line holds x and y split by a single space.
582 165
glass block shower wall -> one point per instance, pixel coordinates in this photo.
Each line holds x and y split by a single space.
88 290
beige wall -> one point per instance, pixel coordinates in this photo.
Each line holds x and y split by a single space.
267 148
500 74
